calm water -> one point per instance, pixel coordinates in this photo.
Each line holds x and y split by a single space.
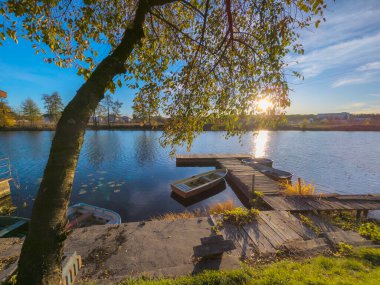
129 172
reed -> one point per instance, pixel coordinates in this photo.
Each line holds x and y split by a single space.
221 207
301 188
175 216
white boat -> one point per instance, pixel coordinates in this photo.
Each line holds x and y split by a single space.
197 184
84 215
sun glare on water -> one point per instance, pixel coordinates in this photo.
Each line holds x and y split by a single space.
264 104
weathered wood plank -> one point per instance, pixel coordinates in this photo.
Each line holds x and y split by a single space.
280 226
296 225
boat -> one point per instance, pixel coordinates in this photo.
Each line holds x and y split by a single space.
197 184
13 226
84 215
274 173
258 160
186 202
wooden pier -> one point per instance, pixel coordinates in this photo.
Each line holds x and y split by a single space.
243 178
280 228
324 203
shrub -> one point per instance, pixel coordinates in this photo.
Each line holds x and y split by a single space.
221 207
371 231
240 216
298 188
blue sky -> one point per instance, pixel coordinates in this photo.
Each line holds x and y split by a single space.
341 66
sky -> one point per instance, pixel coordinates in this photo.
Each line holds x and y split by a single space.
341 66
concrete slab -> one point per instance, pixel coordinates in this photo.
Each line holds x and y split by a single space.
154 248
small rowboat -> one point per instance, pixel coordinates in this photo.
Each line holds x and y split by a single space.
85 215
258 160
13 226
198 183
276 174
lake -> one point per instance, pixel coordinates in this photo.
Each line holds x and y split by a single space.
129 172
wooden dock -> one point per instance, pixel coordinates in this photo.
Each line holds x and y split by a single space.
207 159
321 203
275 231
248 179
280 228
243 178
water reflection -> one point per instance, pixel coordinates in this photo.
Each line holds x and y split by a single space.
95 150
145 147
260 143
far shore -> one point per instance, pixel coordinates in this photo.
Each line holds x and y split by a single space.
160 127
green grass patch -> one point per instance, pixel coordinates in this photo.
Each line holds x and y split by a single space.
361 267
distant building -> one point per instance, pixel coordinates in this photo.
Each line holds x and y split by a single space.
334 116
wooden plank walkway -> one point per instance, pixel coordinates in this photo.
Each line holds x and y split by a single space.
271 231
206 159
280 230
241 176
321 203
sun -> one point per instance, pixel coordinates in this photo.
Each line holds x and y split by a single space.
264 104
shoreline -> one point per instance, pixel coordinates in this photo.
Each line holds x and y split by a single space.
346 128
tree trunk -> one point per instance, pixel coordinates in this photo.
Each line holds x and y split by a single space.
108 116
41 255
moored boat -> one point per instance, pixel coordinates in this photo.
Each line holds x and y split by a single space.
85 215
197 184
274 173
258 160
13 226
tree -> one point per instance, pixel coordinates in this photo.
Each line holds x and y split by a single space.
108 103
99 112
116 108
208 60
146 103
30 110
53 105
6 113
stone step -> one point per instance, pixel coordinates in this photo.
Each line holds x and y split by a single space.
349 237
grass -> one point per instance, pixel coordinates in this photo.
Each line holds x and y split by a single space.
221 207
240 216
370 231
175 216
301 188
347 221
362 266
217 208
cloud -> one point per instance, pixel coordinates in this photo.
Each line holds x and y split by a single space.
368 72
361 107
345 20
370 66
349 38
345 54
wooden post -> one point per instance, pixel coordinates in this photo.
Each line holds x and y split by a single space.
253 183
358 213
299 185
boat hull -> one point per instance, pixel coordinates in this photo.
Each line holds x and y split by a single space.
13 226
275 174
79 215
201 189
260 160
